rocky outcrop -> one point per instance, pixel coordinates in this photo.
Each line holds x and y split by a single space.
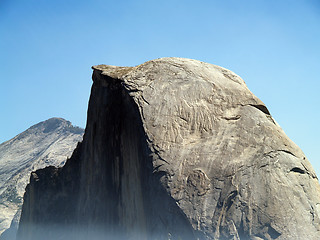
47 143
175 149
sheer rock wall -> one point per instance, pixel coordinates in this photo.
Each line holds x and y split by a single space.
175 149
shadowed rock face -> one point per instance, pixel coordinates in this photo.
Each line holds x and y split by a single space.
175 149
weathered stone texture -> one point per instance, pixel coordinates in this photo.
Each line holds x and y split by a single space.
177 148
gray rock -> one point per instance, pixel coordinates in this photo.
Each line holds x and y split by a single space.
175 149
11 232
47 143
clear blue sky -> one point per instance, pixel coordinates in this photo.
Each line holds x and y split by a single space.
47 49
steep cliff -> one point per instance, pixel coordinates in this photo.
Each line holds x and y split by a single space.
175 149
49 142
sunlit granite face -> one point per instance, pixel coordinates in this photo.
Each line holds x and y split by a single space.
175 149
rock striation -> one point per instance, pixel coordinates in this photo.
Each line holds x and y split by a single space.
175 149
47 143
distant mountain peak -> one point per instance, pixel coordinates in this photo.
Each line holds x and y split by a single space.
46 143
50 126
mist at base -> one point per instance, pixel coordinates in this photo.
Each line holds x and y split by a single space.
54 232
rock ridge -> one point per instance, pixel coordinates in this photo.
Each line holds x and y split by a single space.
49 142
